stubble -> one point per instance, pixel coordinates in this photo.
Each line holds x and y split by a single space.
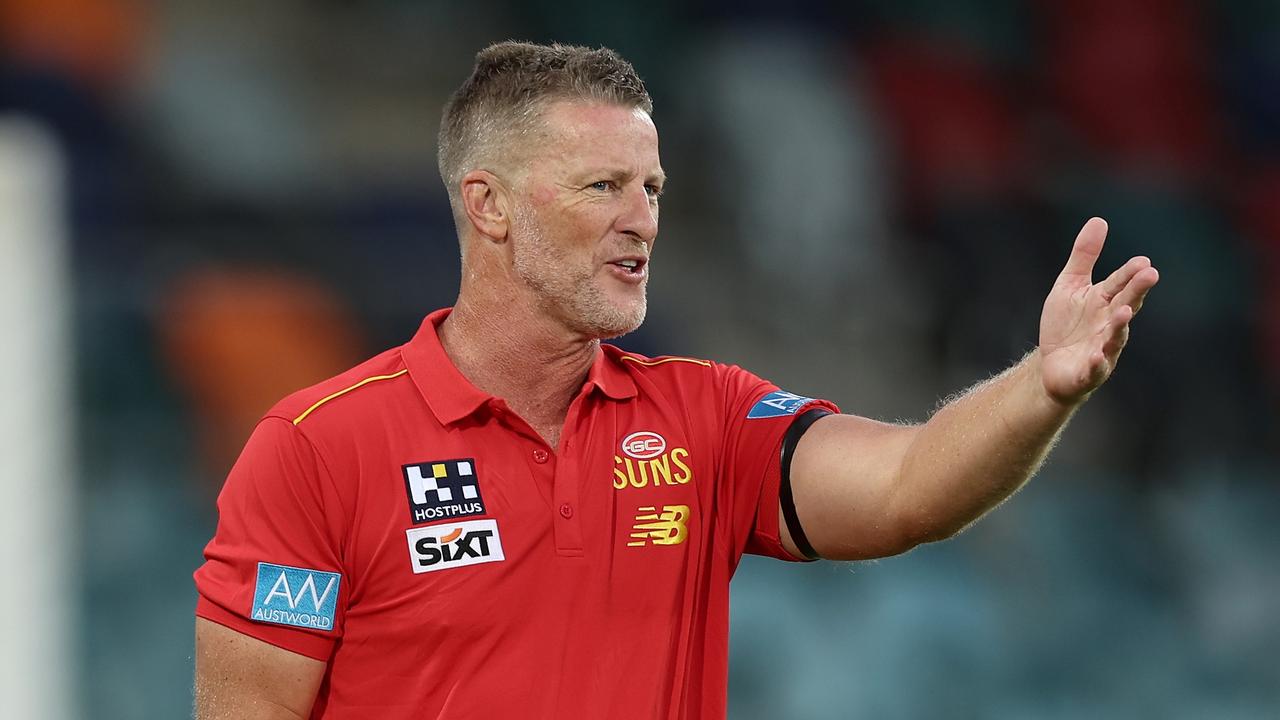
568 287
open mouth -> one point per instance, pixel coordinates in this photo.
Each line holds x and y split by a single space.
630 266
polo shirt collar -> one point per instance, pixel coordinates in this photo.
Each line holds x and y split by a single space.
610 376
448 393
452 397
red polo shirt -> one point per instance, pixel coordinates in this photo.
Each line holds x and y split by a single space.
414 533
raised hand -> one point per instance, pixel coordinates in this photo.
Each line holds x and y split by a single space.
1084 326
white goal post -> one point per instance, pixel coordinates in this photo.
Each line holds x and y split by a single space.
38 533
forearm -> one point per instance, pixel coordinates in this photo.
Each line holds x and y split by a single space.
865 489
977 450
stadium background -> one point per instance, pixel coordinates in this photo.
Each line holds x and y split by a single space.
868 201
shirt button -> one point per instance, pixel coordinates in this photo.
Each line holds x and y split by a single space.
566 511
540 456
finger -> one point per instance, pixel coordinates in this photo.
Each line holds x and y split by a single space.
1099 368
1135 292
1121 277
1117 332
1087 247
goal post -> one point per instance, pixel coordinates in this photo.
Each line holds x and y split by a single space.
38 536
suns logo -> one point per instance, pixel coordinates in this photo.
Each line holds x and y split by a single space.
646 461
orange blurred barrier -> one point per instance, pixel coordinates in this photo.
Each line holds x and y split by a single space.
99 41
237 341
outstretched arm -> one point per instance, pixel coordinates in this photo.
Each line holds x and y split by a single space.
867 489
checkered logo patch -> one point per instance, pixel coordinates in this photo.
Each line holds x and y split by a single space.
443 489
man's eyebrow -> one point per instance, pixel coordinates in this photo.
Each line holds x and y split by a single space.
659 177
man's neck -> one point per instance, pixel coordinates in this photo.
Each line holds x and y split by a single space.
521 357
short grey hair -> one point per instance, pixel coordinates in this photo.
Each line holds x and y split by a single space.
507 91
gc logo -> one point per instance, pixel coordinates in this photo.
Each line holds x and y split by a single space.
644 445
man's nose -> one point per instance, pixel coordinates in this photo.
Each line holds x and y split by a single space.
639 216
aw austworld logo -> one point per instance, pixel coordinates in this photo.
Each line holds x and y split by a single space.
300 597
777 404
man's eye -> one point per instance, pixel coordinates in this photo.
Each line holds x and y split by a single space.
654 191
602 186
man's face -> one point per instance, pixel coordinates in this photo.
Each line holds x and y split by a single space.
586 216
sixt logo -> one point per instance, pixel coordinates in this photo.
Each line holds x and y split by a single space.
647 462
668 527
439 547
295 596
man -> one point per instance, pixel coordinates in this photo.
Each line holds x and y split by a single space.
505 518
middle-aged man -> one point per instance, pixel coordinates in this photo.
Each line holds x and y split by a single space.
504 518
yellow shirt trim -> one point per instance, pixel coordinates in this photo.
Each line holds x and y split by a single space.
651 363
346 390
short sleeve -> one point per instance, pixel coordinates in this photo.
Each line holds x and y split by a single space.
758 417
273 570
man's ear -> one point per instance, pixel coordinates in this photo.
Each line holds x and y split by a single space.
486 202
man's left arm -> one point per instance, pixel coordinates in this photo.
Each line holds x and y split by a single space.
865 489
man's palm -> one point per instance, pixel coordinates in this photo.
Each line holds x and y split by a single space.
1084 326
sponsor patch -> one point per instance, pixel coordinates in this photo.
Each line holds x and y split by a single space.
295 596
443 489
777 404
451 545
669 526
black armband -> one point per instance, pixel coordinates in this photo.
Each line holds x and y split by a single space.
789 441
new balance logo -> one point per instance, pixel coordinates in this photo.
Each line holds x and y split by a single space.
443 489
300 597
666 527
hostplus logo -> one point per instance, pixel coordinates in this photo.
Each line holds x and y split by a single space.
443 489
